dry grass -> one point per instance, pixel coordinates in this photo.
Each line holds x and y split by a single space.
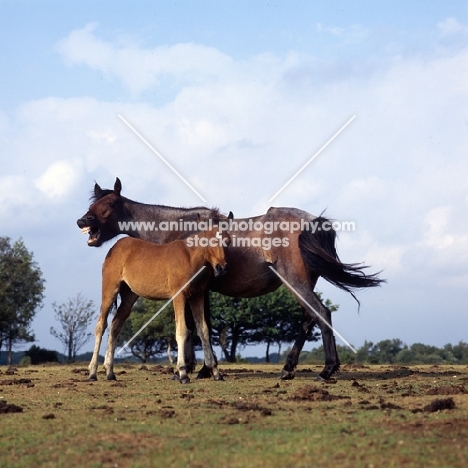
369 416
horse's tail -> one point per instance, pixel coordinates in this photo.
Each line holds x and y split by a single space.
318 251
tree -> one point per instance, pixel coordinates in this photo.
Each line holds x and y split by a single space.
74 317
279 318
157 337
39 355
21 293
232 323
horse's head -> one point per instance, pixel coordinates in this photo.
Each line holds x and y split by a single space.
218 241
101 220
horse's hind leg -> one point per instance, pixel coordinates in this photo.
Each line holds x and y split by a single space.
108 298
292 359
322 316
128 298
189 349
324 321
211 363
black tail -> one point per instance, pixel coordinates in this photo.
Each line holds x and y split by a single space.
319 254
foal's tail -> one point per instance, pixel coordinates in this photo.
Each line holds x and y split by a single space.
318 251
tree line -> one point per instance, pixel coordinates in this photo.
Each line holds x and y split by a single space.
392 351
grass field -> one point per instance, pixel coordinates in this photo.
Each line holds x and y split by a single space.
376 416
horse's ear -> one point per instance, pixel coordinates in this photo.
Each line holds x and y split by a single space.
117 186
230 215
97 190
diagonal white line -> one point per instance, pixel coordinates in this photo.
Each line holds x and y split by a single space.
312 158
160 157
329 325
159 311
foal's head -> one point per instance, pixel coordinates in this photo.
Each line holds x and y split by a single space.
214 242
216 252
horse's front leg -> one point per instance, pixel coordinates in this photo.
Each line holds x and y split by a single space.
292 360
128 298
99 331
211 363
108 298
182 333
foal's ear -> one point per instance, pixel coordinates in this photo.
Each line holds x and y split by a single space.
117 186
230 215
97 190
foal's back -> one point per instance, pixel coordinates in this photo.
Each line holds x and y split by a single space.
150 270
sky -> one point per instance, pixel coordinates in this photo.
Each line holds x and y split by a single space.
238 96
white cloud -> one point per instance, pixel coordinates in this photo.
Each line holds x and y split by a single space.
350 34
59 179
438 221
451 26
139 68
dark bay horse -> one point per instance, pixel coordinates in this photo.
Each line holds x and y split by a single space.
297 245
135 268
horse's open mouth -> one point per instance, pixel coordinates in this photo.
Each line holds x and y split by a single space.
94 234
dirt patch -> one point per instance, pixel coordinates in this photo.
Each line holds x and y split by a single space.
438 405
245 406
161 369
313 393
9 408
447 390
26 382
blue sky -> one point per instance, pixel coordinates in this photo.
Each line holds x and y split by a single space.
238 96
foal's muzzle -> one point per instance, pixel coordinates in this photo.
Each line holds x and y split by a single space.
220 270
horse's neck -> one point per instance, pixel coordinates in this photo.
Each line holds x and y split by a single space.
150 218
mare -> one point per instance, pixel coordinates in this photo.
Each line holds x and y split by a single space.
299 256
135 268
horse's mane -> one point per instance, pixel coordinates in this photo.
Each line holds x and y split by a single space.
214 212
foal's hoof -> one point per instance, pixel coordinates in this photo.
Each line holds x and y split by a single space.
286 375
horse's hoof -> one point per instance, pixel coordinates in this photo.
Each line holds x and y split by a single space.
175 377
111 377
204 373
184 380
321 379
92 378
286 375
219 378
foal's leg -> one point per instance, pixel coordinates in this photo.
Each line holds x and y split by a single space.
182 334
211 364
292 360
108 299
128 298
